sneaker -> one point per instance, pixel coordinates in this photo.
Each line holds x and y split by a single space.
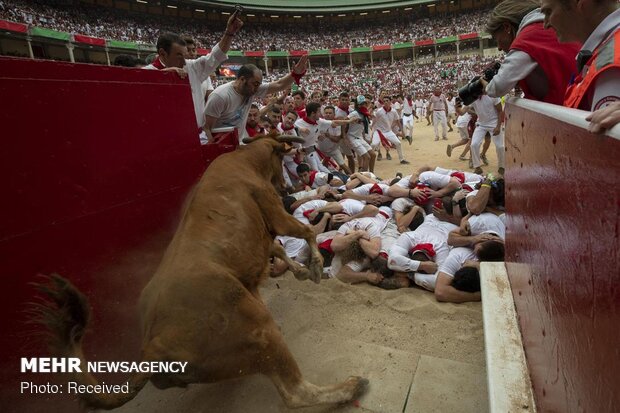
404 162
478 171
471 164
388 156
436 139
379 157
449 151
445 138
409 139
501 171
399 175
462 158
484 159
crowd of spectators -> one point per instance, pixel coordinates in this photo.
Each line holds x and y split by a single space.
400 77
109 23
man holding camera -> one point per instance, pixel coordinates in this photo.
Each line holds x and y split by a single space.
535 59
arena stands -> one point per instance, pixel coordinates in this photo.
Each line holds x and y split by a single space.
105 22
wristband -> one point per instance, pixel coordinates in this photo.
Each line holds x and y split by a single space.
485 185
297 77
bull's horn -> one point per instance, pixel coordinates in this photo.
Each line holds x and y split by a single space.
289 139
248 140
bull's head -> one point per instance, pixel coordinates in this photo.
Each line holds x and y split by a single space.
278 146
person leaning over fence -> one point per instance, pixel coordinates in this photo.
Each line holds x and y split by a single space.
535 60
595 23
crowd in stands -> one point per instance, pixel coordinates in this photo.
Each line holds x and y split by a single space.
109 23
400 77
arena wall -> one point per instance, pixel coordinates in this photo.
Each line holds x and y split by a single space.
563 254
97 162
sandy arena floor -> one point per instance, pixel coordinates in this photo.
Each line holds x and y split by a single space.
419 355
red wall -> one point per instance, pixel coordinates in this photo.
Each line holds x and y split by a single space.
563 255
96 164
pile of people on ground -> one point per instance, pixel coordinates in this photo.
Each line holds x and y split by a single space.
427 229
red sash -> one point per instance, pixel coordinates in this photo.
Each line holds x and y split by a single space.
425 248
326 159
386 144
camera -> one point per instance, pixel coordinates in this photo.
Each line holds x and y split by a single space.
474 89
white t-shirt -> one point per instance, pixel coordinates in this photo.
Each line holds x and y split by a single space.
456 259
365 189
438 102
292 246
351 206
230 108
485 109
312 136
370 224
198 70
487 223
356 130
463 120
434 180
398 107
407 108
451 106
385 121
298 214
326 128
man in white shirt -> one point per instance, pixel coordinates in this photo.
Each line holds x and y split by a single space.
451 101
229 104
438 106
171 51
408 114
309 131
342 110
330 137
489 111
385 122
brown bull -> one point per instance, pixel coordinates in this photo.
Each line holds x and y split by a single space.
202 305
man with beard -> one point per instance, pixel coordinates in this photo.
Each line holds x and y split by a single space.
229 104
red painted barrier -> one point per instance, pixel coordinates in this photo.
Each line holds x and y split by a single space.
96 163
563 255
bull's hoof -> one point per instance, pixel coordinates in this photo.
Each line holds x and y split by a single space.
302 273
316 272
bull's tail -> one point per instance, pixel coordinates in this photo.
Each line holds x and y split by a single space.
65 317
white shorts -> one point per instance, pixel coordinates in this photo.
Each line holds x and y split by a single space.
336 156
359 146
464 133
345 148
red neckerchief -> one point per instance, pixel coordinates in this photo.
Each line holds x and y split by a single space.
346 108
386 110
376 189
311 177
326 245
307 213
425 248
301 112
308 120
383 254
364 111
158 64
252 132
410 102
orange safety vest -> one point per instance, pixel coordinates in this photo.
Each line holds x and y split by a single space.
604 57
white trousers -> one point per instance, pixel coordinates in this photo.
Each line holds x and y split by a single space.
439 117
476 141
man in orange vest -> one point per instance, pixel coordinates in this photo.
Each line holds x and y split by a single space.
595 23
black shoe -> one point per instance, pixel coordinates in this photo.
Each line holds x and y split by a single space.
409 139
404 162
